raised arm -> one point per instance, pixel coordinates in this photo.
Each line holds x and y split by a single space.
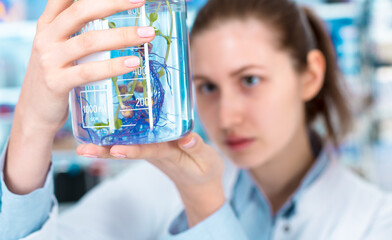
43 105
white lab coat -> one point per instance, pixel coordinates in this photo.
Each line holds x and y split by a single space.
141 204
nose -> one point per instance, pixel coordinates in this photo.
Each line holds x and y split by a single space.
231 111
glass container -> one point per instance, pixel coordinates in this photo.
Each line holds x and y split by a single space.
151 104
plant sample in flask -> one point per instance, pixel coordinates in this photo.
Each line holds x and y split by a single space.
150 104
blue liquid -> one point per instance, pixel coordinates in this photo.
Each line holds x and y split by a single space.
149 105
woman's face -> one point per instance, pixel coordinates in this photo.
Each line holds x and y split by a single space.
248 92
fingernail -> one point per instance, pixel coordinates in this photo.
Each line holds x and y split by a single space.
132 62
190 144
136 1
118 155
145 32
89 156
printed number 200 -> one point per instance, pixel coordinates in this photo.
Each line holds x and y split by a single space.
142 102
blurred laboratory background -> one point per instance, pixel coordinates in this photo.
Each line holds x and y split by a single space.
360 29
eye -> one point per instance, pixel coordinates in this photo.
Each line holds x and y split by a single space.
250 81
207 88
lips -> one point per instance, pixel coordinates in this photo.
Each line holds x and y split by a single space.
238 143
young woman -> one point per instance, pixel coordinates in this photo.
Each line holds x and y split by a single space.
264 72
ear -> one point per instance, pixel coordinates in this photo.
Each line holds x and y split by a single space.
314 75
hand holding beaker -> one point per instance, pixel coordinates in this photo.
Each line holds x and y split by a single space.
43 105
194 166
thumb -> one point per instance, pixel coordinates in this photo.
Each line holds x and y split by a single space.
203 155
194 145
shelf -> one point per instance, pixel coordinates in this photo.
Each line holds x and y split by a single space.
18 30
333 11
9 95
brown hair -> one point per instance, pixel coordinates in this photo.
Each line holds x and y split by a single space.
299 31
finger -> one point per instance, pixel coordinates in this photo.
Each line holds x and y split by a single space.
106 40
195 147
93 151
53 9
80 13
95 71
146 151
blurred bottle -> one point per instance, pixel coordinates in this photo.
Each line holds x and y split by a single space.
34 9
12 10
4 9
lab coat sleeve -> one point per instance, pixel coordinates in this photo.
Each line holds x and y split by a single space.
381 229
223 224
22 215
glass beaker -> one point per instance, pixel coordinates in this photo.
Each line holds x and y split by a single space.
151 104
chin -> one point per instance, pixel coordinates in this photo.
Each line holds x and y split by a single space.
251 157
247 160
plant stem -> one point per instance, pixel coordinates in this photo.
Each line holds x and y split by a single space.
137 18
120 102
156 12
117 112
114 80
162 72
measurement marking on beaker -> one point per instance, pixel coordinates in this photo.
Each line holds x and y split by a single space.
126 95
137 109
122 18
89 111
132 48
93 91
97 127
133 79
134 11
97 24
130 125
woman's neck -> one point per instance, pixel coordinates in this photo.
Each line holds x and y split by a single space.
281 176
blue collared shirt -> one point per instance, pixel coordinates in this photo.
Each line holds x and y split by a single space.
248 215
23 215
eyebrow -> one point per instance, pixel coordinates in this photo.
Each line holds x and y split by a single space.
235 73
200 78
243 69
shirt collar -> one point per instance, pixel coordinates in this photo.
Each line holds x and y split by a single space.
245 190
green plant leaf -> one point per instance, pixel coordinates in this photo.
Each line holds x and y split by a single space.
153 17
112 25
101 125
118 124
